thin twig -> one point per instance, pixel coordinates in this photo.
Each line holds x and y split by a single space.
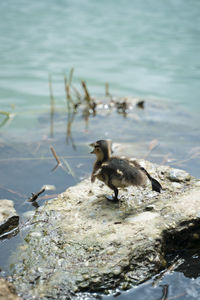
39 158
69 168
68 97
36 195
68 133
176 262
90 102
107 89
12 191
177 296
78 95
55 155
68 94
70 76
52 107
87 95
7 116
153 144
165 292
49 196
56 158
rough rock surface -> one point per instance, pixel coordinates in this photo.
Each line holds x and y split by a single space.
81 242
8 216
7 291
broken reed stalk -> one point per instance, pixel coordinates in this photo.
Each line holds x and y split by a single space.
165 291
107 89
70 76
36 195
69 168
68 131
67 93
60 164
55 155
78 95
7 117
52 109
51 91
12 191
91 103
153 144
176 262
87 95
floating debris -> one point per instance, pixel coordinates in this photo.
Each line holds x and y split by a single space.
140 104
34 196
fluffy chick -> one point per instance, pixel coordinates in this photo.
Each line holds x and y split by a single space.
118 172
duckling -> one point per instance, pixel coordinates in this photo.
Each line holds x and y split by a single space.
118 172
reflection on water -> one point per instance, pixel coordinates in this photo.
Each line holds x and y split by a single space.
181 284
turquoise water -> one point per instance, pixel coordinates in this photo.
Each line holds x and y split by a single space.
143 48
149 49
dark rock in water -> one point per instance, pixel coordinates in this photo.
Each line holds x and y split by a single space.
9 219
80 242
7 290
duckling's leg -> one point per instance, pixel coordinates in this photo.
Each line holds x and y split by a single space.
115 198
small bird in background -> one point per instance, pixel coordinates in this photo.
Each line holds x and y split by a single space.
118 172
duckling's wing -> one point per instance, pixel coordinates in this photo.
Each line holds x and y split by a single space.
122 173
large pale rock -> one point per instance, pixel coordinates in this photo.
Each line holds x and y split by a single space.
82 242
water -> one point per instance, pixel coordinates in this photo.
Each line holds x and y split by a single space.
148 49
144 48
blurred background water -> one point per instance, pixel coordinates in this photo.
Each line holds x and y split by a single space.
143 48
148 49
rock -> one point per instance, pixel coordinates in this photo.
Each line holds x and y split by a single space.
7 290
178 175
80 242
8 216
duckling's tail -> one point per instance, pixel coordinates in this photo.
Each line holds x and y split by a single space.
156 186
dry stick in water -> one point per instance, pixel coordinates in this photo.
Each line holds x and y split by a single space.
60 164
68 132
153 144
175 297
70 76
69 168
87 95
67 92
56 158
7 116
78 95
52 105
107 89
90 102
13 192
36 195
176 262
165 292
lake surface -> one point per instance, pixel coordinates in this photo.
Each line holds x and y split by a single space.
147 49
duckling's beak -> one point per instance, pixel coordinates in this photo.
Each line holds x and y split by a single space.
92 145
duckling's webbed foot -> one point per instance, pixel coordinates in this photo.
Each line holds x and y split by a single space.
112 198
115 198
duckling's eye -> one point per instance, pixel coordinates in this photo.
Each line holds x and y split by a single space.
97 148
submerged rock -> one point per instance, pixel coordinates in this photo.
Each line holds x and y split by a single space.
80 242
8 216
